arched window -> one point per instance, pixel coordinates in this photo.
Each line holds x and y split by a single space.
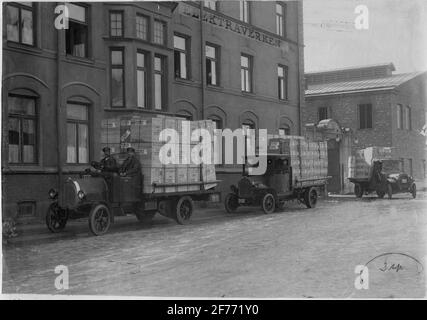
219 124
22 127
185 114
285 130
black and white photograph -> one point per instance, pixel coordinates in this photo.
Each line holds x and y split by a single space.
214 150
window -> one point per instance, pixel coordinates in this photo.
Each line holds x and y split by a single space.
408 125
212 65
117 78
246 125
280 23
141 77
365 116
26 209
246 73
285 130
159 83
22 124
399 116
141 27
282 74
116 24
244 11
322 113
20 22
77 133
211 4
159 32
181 56
76 36
219 157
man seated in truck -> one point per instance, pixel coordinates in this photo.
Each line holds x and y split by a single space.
131 166
108 163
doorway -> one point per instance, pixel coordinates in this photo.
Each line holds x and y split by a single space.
334 166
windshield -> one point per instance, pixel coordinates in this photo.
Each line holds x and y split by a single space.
391 166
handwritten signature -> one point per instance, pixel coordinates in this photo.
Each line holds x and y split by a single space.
393 266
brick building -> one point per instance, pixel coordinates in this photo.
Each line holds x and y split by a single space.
367 106
238 63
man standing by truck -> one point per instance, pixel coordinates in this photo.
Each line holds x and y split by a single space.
131 166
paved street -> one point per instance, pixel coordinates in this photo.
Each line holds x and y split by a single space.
296 253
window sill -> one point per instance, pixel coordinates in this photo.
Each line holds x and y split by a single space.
24 47
250 93
12 169
82 60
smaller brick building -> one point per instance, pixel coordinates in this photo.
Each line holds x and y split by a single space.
367 106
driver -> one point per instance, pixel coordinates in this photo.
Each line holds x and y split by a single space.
131 166
108 163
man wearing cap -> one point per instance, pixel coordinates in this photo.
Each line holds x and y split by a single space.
131 166
108 163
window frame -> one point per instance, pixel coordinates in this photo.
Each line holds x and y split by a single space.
187 53
365 124
162 73
399 118
87 24
144 69
206 4
281 24
285 128
147 31
121 13
408 118
249 73
164 33
217 61
20 7
285 82
34 118
117 66
319 109
77 122
245 15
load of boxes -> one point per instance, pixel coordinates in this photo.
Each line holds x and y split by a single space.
361 163
143 134
309 159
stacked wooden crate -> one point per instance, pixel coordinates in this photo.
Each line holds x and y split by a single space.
308 159
143 134
361 163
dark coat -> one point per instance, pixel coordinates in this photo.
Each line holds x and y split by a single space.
131 166
108 164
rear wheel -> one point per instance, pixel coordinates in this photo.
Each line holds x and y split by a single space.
99 219
414 190
358 190
184 210
389 191
56 218
231 203
268 203
310 198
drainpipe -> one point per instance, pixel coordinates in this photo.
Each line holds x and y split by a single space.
202 60
58 108
299 15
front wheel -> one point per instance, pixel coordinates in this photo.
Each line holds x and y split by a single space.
414 190
184 210
310 198
99 219
231 203
268 203
56 218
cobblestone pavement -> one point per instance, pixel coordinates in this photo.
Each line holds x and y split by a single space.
297 253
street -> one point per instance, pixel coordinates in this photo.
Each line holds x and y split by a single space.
297 253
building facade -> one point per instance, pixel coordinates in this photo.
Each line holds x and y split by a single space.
239 63
368 106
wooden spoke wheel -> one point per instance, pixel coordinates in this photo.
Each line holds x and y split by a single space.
310 198
99 219
184 210
268 203
231 203
56 218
